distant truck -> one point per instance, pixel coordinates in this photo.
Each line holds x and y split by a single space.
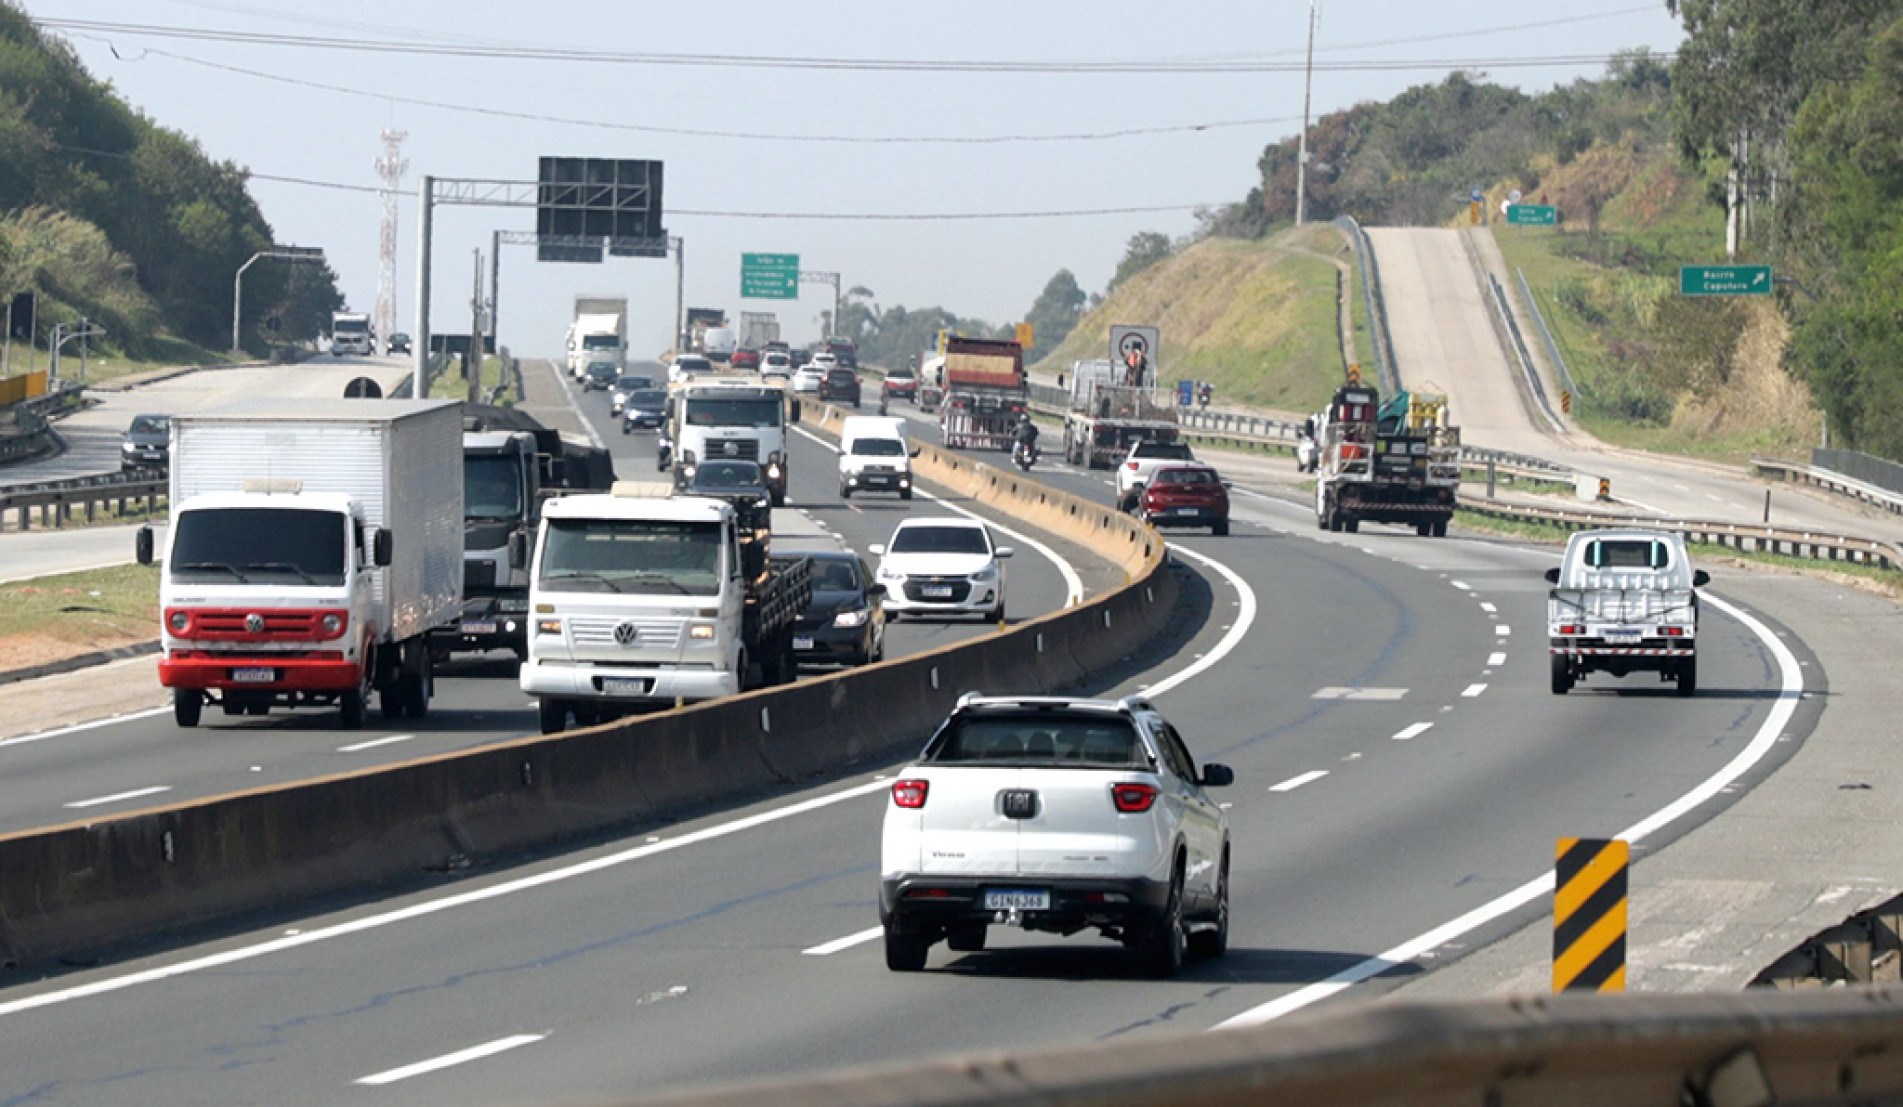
984 392
757 329
699 322
718 344
736 418
351 333
511 464
640 601
1110 410
313 545
599 332
1392 463
1624 601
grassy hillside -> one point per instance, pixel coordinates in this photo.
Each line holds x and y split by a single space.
1654 369
1255 318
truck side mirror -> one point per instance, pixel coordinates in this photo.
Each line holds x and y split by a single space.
1700 578
380 547
1552 575
518 550
142 545
914 452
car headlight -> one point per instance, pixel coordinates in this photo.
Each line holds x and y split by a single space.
985 575
852 618
701 631
773 472
332 623
178 621
548 626
127 447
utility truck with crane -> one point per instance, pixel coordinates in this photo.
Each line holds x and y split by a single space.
1397 462
1112 408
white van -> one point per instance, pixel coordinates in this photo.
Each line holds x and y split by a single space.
874 454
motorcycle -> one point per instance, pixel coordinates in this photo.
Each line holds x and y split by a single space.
1024 455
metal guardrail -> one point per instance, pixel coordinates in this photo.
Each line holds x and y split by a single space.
1546 336
1878 471
1831 481
1743 537
1386 368
140 490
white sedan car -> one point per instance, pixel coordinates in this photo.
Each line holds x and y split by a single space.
944 566
807 377
1056 815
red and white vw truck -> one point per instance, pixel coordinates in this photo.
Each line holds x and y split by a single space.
312 546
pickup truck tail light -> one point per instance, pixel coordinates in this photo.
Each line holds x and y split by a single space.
1571 628
1131 465
910 793
1672 632
1133 799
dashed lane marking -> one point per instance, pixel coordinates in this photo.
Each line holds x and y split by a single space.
1295 782
1413 732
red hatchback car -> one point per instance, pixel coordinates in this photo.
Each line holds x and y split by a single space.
1186 496
745 358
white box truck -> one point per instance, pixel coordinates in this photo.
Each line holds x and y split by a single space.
312 547
599 332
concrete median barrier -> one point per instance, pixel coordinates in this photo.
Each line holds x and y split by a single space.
89 890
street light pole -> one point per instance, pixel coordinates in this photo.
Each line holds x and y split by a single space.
287 253
1301 155
680 282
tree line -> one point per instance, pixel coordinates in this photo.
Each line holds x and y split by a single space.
107 215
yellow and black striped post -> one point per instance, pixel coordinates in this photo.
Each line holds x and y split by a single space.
1589 915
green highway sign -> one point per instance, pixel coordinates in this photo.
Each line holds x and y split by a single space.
1724 280
770 276
1532 215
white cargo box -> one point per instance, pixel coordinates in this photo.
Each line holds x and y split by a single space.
401 459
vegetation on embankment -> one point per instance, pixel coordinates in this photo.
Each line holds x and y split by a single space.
51 618
110 217
1258 319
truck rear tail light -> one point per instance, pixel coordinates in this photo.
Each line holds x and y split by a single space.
910 793
1571 628
1672 632
1133 799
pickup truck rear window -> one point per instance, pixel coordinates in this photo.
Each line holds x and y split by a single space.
1174 450
1627 553
1040 740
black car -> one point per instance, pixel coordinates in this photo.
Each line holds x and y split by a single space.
148 443
600 376
839 385
846 350
844 623
800 355
399 344
645 409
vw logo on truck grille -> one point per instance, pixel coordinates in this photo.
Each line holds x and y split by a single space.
627 633
254 623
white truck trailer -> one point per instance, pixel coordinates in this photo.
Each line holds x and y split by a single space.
599 331
312 547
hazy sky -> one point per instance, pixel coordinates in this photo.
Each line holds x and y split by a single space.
991 268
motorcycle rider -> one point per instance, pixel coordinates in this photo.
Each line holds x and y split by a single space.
1026 435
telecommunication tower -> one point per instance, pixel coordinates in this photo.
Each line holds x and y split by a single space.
390 167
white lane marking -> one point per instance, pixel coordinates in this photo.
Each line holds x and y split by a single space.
1789 694
375 742
1473 690
1496 659
118 796
1462 585
61 732
447 1060
587 425
1488 608
847 942
1333 693
1502 632
1073 584
1295 782
1414 731
1245 619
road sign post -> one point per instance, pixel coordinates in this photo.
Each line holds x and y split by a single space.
1532 215
1724 280
770 276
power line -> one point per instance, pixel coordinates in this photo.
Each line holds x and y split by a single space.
750 136
744 61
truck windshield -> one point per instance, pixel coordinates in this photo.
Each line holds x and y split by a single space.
350 326
878 447
492 487
631 556
601 342
257 545
733 413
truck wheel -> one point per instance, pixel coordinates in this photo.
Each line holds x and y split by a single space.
845 492
350 709
187 705
393 699
1562 675
779 497
1440 528
419 688
904 952
553 714
1688 676
905 493
1423 530
1351 524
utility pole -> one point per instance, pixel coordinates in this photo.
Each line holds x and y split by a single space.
419 374
1301 154
495 289
472 367
680 283
390 169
